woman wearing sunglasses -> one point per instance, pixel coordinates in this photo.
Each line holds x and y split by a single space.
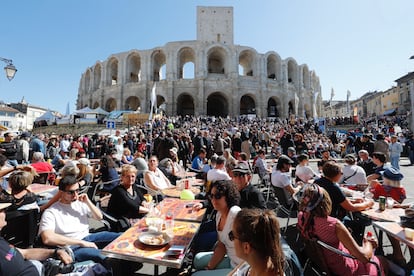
224 197
256 240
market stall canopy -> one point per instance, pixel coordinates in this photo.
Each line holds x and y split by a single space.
47 116
100 111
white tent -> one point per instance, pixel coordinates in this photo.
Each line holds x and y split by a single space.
85 110
47 117
100 111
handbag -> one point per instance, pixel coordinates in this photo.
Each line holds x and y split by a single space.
53 266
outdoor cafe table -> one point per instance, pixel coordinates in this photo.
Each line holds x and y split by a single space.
175 192
185 174
128 247
389 214
394 229
182 209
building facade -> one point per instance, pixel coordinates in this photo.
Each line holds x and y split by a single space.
207 76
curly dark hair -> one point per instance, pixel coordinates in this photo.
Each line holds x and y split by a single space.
108 162
229 190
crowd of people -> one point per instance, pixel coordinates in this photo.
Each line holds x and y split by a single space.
225 152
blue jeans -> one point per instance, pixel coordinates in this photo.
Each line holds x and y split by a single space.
395 160
411 156
101 239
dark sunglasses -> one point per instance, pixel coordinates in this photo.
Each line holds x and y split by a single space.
232 237
215 196
238 174
72 192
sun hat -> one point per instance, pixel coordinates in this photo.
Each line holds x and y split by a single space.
242 168
392 174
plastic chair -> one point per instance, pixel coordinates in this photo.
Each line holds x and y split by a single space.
316 260
21 228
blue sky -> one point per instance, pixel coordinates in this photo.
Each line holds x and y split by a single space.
352 45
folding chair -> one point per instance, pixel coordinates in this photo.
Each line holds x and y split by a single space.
316 260
21 228
284 207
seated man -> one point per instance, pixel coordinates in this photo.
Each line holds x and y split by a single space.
66 223
16 261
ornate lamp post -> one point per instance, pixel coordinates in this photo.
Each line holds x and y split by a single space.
10 69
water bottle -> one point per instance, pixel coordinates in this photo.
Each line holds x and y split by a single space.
169 224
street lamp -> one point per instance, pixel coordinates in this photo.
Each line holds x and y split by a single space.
10 69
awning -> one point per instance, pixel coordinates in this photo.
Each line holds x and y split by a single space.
390 112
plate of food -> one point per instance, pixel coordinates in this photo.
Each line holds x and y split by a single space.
154 239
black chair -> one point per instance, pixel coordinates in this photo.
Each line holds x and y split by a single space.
42 178
316 260
284 208
21 228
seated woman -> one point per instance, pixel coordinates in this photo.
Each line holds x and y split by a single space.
127 157
170 166
314 221
256 240
85 175
20 197
304 172
154 178
108 173
224 197
126 199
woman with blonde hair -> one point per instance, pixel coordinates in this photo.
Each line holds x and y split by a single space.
256 238
314 221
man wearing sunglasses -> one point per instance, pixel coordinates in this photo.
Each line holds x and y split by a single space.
251 197
66 223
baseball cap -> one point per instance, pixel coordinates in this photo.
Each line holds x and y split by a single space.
242 167
283 159
84 161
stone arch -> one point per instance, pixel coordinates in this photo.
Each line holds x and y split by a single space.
110 105
291 107
305 76
307 112
97 72
292 69
247 105
217 105
112 72
132 103
133 68
216 60
273 107
95 105
87 80
185 104
273 67
186 63
158 65
247 63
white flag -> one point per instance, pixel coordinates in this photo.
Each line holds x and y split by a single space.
153 101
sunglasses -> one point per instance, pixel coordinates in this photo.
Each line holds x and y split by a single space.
238 174
232 237
72 192
215 196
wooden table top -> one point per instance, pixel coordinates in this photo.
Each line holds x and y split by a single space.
392 214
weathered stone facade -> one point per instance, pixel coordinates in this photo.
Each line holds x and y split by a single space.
207 76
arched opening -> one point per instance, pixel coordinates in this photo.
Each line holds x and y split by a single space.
158 65
110 105
95 105
216 61
246 61
307 111
247 105
217 105
292 68
186 63
112 72
305 77
132 103
185 105
291 109
272 108
97 76
273 67
134 68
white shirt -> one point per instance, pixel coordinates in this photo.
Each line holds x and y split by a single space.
353 174
69 220
223 235
305 173
157 179
217 175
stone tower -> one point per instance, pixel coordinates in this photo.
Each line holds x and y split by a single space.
215 24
